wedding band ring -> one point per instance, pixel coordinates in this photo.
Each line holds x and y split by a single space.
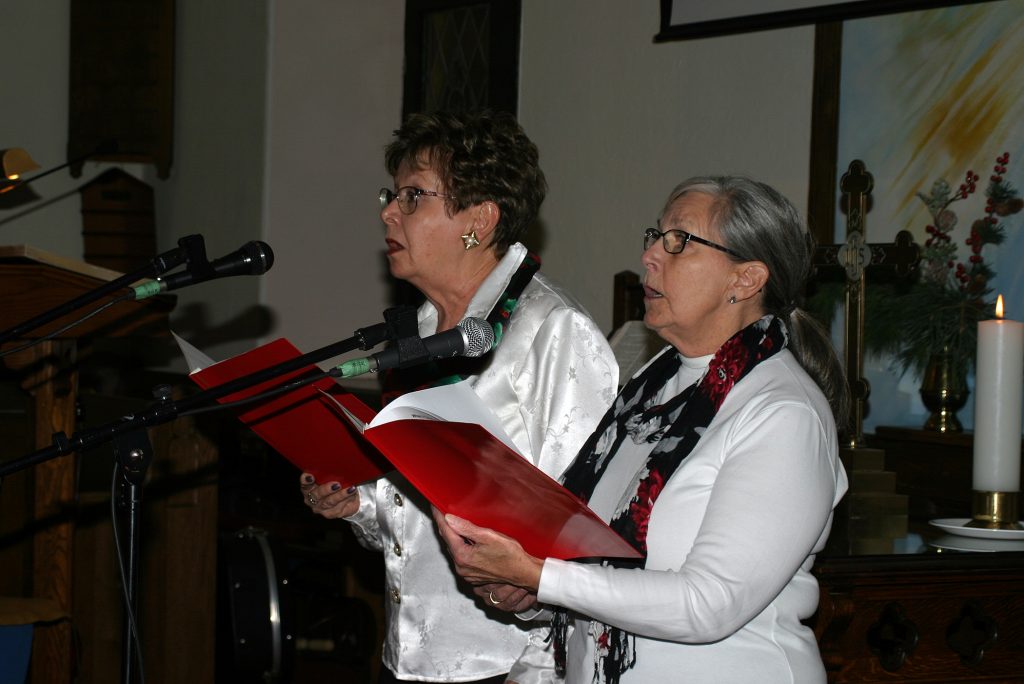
312 499
490 597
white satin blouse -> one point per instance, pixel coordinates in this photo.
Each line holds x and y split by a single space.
549 382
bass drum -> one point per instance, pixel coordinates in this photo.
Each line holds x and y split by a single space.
254 632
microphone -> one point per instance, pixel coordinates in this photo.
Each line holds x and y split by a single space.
252 258
472 337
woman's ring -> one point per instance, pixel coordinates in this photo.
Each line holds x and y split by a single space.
490 596
312 499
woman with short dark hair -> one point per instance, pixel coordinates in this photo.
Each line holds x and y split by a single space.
466 187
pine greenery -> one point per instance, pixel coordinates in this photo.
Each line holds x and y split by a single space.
937 309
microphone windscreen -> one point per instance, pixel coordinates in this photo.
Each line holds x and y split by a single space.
261 255
478 335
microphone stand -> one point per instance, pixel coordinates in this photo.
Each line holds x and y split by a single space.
134 451
190 249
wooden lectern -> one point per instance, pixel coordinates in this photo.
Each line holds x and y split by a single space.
32 282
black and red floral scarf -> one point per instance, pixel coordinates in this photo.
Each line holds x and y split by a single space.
397 382
675 426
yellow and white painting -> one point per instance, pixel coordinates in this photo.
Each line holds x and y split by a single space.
925 96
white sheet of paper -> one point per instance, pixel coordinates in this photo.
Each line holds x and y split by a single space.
634 345
195 359
452 403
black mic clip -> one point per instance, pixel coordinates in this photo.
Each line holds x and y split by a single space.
195 255
404 329
399 323
411 351
190 249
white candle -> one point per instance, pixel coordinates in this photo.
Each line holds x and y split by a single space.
997 404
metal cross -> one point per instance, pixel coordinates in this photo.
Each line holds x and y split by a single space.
855 256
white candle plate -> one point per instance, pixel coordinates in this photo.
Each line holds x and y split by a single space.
958 526
954 542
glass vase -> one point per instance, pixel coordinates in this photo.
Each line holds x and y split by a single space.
944 392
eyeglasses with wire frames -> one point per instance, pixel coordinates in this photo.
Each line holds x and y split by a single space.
674 241
408 197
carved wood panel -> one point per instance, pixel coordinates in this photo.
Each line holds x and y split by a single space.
922 619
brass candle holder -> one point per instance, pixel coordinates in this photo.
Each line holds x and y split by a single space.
995 511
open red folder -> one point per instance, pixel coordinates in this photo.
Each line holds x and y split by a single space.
298 424
464 469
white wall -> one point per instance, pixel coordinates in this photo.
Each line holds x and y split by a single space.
620 121
335 98
34 115
283 107
216 180
216 184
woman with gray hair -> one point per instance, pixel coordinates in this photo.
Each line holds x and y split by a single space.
718 462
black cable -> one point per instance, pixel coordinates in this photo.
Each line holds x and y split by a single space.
269 394
128 609
49 336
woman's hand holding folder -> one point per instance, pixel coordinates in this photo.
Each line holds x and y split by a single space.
329 500
483 556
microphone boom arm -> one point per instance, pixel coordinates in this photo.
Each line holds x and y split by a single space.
187 246
167 410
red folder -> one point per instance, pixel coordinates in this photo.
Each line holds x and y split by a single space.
462 469
298 424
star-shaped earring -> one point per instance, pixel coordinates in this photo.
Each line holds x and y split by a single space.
470 239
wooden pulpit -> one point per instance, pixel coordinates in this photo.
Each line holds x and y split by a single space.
32 282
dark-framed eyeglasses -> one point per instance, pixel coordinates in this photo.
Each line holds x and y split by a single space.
408 197
674 241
